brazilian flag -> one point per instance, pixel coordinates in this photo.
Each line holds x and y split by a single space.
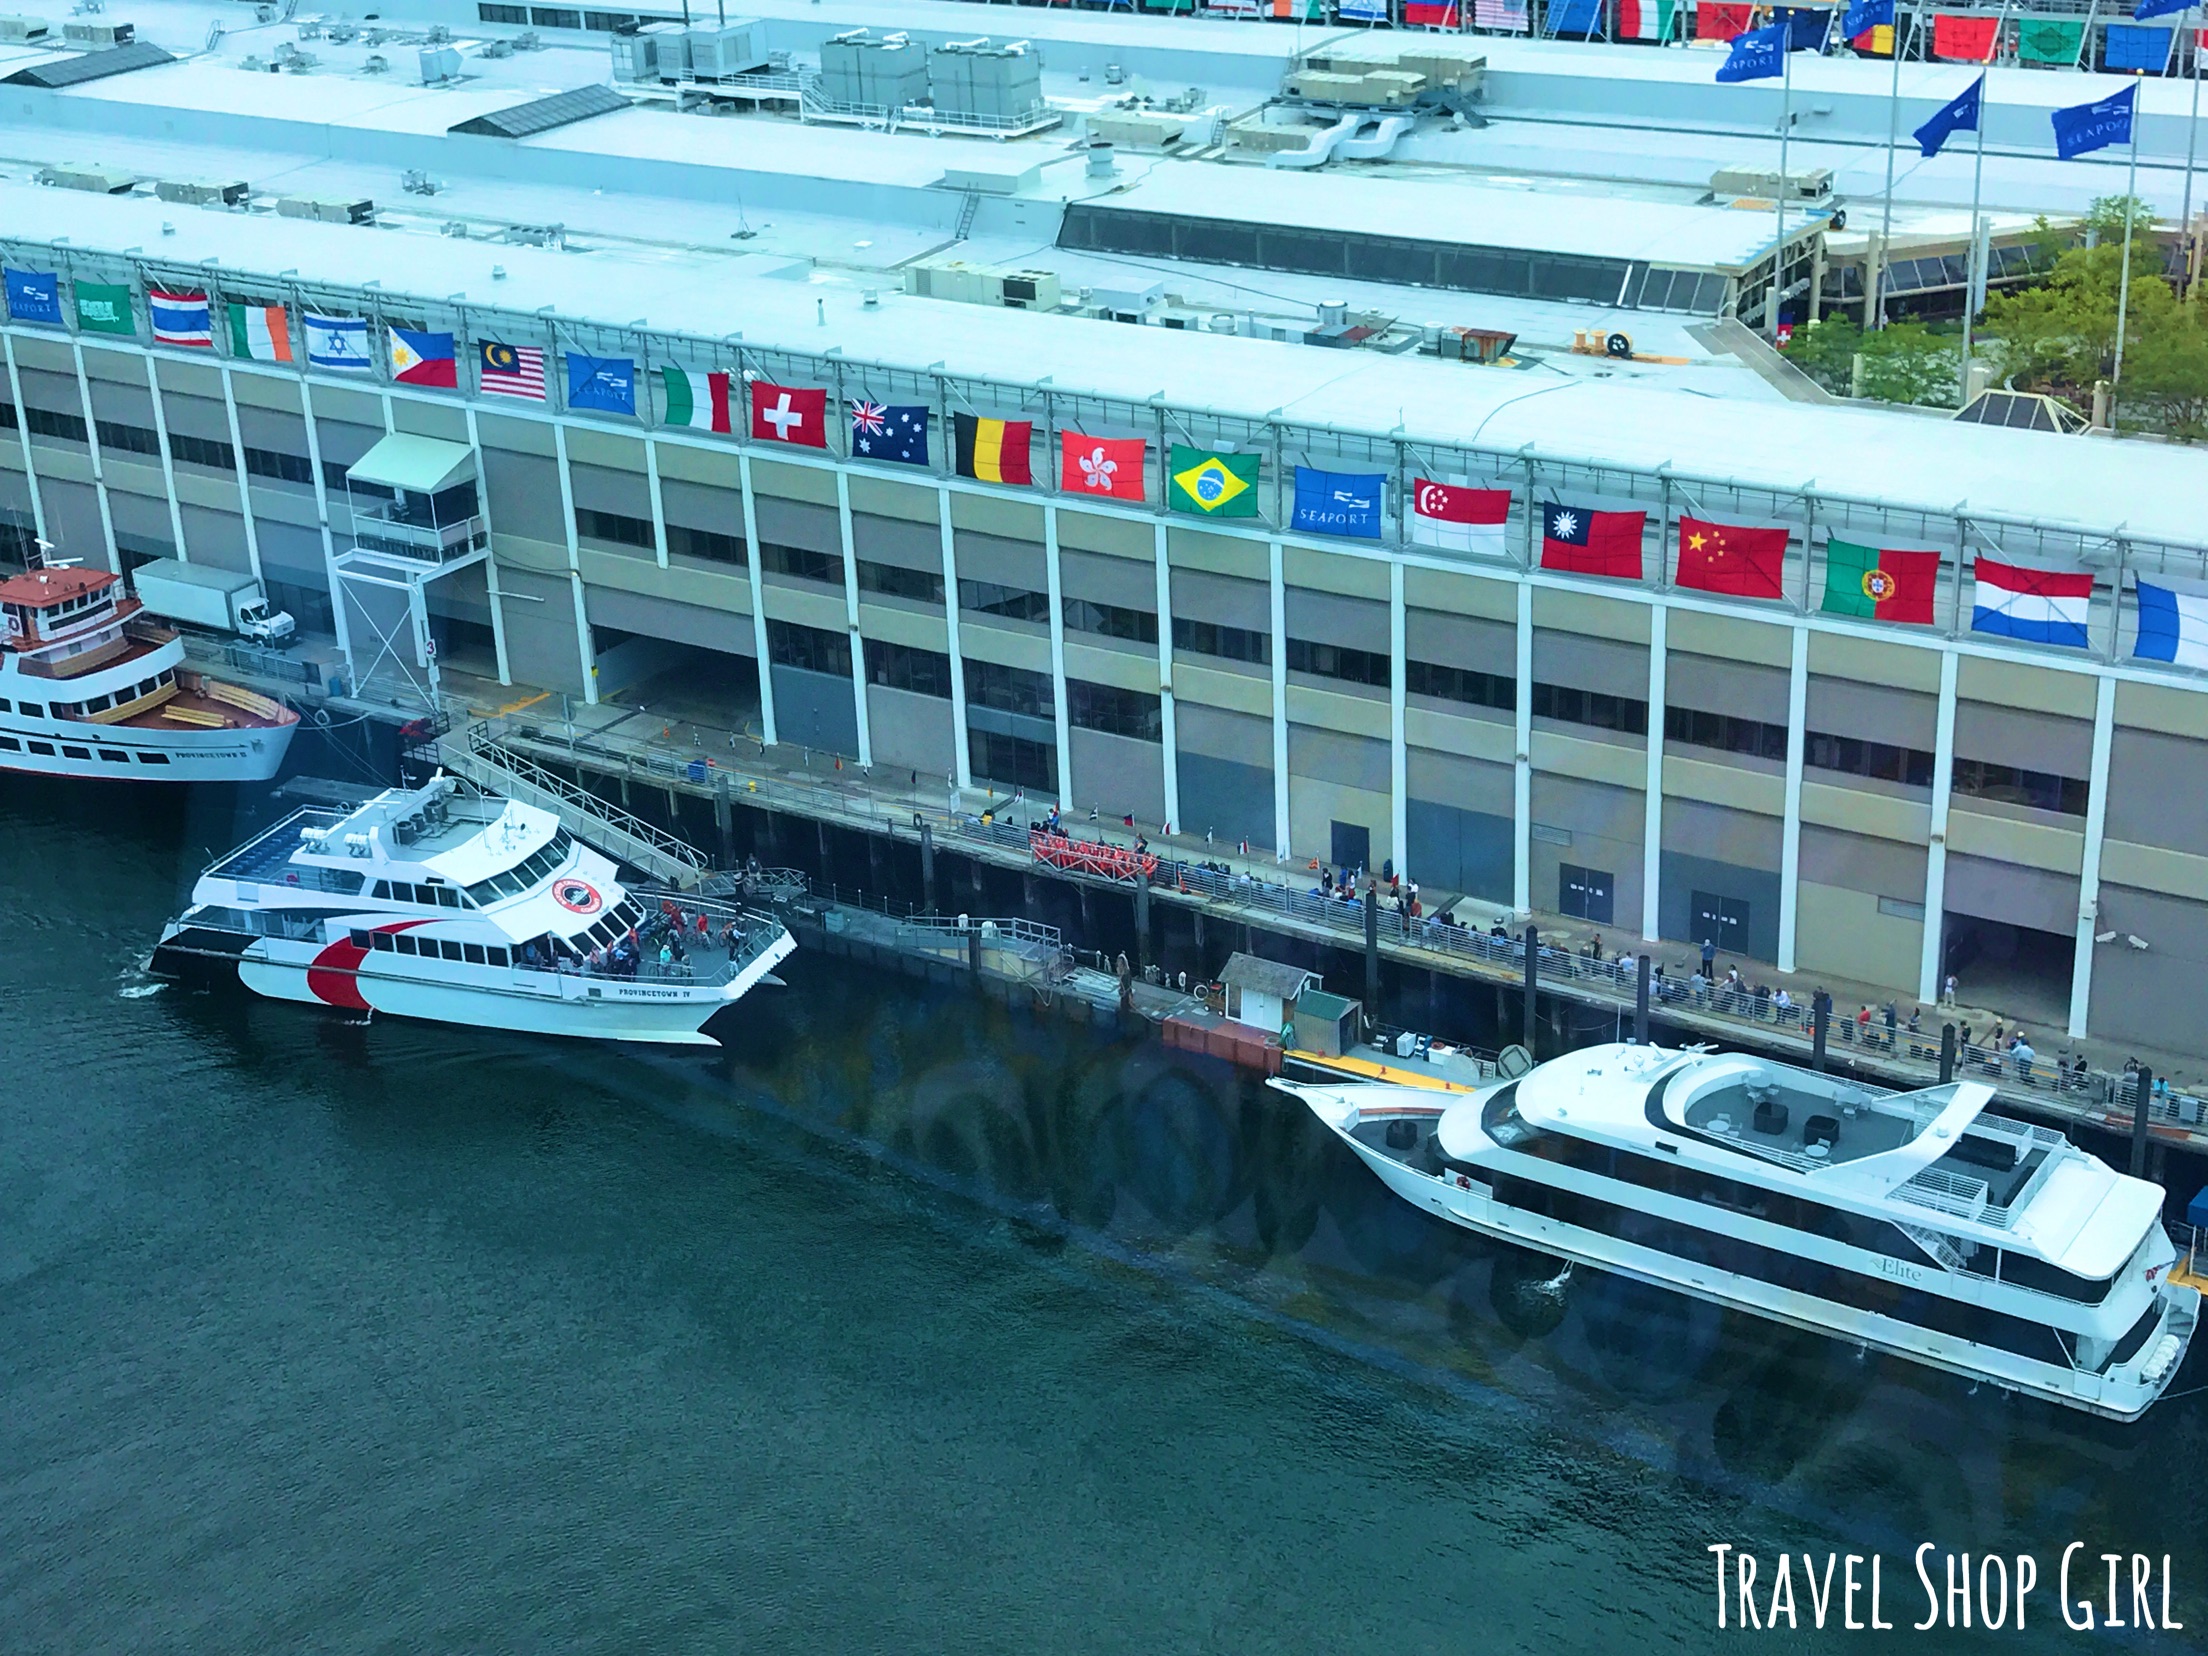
1211 484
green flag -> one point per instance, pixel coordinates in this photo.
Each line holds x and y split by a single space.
1212 484
103 308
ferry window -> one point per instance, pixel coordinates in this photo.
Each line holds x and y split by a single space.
32 710
76 753
383 889
406 943
2023 1271
451 951
361 939
3 704
383 941
113 757
153 758
472 953
446 896
498 956
8 744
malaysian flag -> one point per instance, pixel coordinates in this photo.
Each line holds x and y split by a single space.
1500 14
510 370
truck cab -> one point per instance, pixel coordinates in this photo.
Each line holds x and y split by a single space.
256 621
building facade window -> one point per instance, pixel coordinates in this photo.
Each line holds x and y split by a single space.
1228 643
1010 602
1010 689
1460 684
45 422
1568 705
809 648
2007 785
285 468
1085 615
709 544
117 438
902 667
488 13
801 563
1695 728
202 451
1012 761
896 581
1338 661
1115 712
1880 761
614 527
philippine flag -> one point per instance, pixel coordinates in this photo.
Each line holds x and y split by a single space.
2173 626
181 319
419 358
2033 606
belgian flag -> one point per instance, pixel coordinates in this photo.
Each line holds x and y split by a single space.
993 451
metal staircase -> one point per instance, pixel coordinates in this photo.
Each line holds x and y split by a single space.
480 757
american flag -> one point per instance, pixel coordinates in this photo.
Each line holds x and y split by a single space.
510 371
868 419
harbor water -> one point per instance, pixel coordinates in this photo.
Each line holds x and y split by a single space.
907 1323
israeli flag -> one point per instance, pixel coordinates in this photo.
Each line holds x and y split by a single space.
2173 626
34 296
1339 503
338 343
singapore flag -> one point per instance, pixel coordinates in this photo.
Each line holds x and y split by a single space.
1458 516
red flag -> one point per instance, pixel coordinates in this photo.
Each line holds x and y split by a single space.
1579 542
787 414
1715 20
1106 468
1451 514
1724 557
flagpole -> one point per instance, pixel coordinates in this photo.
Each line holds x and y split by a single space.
2123 285
1877 317
1970 264
2192 133
1786 131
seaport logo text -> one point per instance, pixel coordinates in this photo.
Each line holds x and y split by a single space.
1950 1590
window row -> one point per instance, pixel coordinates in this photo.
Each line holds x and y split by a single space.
45 750
813 649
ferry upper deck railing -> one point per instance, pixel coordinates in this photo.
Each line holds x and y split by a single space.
271 848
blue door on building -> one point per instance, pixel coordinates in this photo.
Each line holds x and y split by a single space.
1352 846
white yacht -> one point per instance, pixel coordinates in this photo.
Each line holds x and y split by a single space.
444 903
89 687
1913 1222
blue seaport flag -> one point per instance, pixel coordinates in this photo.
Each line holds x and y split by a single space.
896 431
1960 115
1866 15
2084 128
34 296
1806 28
1339 503
604 383
2160 8
1757 55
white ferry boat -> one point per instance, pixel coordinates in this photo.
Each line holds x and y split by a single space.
89 687
1913 1222
448 904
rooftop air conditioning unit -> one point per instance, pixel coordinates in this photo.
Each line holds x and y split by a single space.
97 36
1810 184
72 175
195 192
23 30
720 50
326 209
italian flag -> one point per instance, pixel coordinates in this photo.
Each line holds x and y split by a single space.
1646 19
700 401
1880 585
260 332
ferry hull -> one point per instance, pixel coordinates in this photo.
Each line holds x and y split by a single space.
123 753
1469 1203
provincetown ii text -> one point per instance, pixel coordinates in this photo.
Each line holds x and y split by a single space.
1958 1590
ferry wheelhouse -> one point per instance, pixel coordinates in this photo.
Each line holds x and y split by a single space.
448 904
90 687
1918 1222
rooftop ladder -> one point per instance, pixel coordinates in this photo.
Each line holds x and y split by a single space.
486 762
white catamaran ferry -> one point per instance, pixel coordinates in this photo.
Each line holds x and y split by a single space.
1913 1222
444 903
88 687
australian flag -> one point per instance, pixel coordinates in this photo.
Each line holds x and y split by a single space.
897 432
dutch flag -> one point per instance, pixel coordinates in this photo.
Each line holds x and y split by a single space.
2033 606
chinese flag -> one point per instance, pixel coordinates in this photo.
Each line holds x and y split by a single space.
1105 468
1724 557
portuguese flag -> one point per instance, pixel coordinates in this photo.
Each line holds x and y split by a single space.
1881 585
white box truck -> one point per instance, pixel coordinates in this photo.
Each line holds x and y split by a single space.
223 600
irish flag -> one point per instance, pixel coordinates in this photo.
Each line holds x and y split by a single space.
699 400
1879 584
261 332
1647 19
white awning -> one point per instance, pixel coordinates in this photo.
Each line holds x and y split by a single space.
420 465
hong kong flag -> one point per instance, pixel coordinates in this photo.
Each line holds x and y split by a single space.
789 414
1576 541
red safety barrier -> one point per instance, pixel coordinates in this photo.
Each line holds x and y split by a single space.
1112 862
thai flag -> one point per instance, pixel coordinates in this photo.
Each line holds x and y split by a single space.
181 318
2033 606
2173 626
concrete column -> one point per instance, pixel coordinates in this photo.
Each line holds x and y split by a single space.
583 647
1280 702
1399 764
168 460
1935 861
659 510
851 615
329 539
1652 801
1790 835
490 562
2089 871
1054 582
961 753
758 603
1521 853
237 457
109 556
23 435
1167 734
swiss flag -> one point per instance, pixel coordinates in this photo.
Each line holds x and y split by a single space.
789 414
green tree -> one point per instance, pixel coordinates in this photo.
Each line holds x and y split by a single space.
1903 362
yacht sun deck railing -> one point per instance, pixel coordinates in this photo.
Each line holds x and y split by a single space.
1954 1194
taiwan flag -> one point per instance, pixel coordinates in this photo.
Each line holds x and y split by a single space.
789 414
1724 557
419 358
1575 541
1879 584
